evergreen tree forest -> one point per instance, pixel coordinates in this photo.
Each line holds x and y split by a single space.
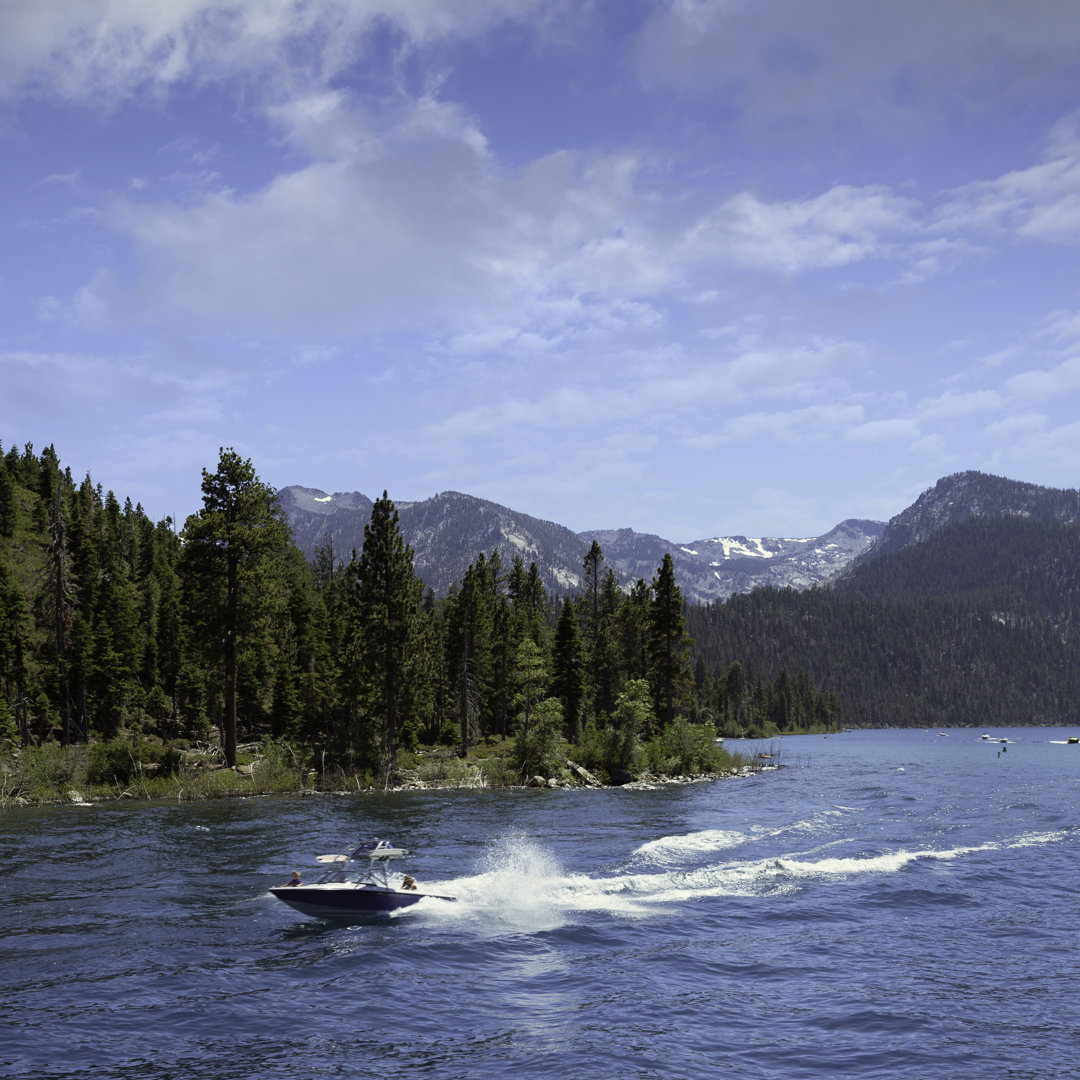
220 631
977 625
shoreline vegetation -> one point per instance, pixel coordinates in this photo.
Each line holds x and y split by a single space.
143 770
139 661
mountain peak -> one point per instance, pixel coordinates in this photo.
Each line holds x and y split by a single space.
970 494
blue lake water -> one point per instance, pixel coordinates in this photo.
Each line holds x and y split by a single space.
887 904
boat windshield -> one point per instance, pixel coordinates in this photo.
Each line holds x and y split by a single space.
377 849
366 864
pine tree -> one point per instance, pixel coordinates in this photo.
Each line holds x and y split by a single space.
633 632
530 681
568 684
607 671
528 603
470 627
668 645
229 547
8 502
14 646
59 600
388 602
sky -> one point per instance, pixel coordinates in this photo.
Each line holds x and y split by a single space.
692 267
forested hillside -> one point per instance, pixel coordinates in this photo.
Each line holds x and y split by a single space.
977 624
112 624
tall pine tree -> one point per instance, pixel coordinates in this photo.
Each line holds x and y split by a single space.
568 684
668 645
388 604
231 546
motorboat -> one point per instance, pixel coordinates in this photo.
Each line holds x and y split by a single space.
355 885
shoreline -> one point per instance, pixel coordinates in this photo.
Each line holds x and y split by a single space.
647 782
142 770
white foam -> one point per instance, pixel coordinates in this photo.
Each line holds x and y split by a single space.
521 887
667 849
673 847
893 861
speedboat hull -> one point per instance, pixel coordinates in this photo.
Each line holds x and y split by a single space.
347 901
354 886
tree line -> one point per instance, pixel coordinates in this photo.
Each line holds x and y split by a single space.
111 622
976 625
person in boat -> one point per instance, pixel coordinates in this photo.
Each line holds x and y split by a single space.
408 882
295 880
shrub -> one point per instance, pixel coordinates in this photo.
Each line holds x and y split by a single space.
604 750
170 761
683 748
449 769
46 771
536 751
500 770
277 766
618 747
111 762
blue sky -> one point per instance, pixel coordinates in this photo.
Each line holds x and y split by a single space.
695 267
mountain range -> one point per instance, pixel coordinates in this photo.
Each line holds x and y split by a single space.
449 530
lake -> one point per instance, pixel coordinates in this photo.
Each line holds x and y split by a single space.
895 904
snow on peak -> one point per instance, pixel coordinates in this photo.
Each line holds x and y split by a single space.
742 547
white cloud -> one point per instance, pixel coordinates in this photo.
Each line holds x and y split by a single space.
794 427
896 429
886 66
1031 445
1064 325
108 49
1043 384
406 219
953 406
1041 202
406 233
1019 426
841 226
68 179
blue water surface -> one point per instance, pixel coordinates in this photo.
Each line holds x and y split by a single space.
885 904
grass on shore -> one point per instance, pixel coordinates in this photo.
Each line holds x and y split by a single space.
141 769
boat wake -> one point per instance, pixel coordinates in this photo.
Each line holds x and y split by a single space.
675 849
522 887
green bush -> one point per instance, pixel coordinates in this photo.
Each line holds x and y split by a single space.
500 770
112 762
45 772
683 748
537 751
449 769
170 761
603 750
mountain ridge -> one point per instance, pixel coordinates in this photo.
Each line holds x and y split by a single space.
968 494
450 529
